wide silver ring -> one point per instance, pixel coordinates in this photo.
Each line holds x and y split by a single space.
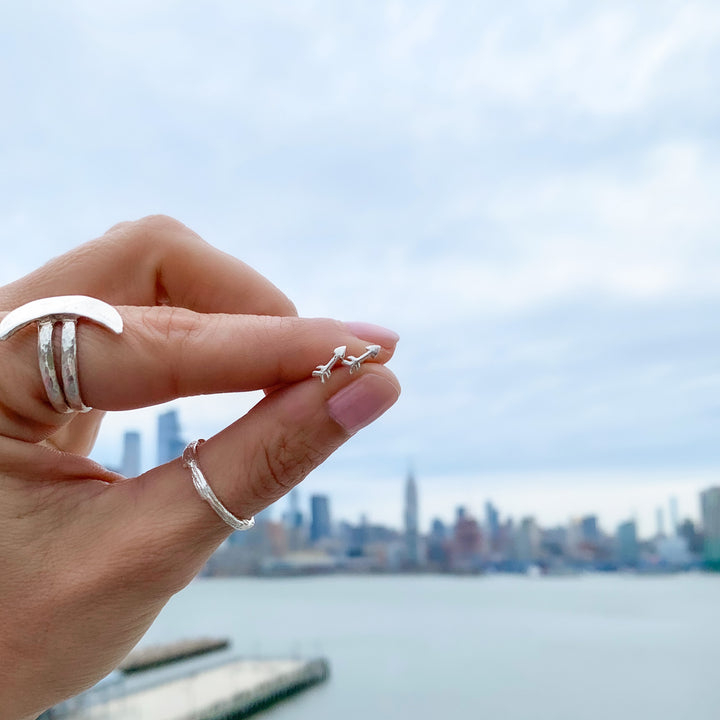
204 490
63 392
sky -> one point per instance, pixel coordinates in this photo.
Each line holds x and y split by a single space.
525 191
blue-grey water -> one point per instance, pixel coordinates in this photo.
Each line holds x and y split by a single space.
582 648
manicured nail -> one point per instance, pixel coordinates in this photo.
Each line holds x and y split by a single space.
373 333
362 401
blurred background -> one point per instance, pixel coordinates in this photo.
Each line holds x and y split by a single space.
525 191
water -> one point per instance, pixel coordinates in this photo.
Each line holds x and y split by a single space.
508 648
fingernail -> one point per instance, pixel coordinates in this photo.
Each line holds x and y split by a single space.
361 402
373 333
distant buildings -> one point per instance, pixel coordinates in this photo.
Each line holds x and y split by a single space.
674 516
169 443
306 541
130 466
412 535
319 518
294 522
710 505
438 547
660 522
527 542
673 551
492 527
692 535
628 548
466 545
589 529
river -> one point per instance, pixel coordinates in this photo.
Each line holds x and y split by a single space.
502 647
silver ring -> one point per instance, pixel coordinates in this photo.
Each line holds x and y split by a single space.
189 458
46 359
65 397
68 364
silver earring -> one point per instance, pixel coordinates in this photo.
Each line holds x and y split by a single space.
354 363
323 371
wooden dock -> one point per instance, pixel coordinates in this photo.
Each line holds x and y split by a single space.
233 689
160 655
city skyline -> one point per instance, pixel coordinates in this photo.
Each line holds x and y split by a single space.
169 441
311 542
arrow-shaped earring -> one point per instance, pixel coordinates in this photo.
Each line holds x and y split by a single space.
323 371
354 363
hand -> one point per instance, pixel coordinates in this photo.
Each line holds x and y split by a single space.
88 558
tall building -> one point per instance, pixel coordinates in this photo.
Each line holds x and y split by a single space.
589 528
492 520
694 538
319 517
412 536
628 549
294 521
293 516
169 443
466 543
710 504
674 516
527 541
131 454
437 545
660 522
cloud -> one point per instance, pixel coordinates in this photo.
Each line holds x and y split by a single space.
602 60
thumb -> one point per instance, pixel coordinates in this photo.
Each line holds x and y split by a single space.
253 462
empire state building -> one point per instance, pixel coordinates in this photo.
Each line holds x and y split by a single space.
412 538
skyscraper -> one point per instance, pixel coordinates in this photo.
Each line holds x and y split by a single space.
437 545
412 537
674 516
589 528
169 443
527 541
467 542
492 520
660 522
710 504
627 544
293 519
131 454
319 517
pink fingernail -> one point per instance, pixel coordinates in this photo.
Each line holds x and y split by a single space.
361 402
373 333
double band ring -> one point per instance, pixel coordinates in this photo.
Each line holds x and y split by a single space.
63 392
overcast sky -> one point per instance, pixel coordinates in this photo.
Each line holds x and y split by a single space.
526 192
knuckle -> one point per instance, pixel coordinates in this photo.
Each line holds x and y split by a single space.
282 464
169 324
269 325
150 227
119 227
175 329
159 224
160 233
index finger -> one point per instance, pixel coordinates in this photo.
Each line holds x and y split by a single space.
165 353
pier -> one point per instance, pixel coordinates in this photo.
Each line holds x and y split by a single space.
160 655
233 688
